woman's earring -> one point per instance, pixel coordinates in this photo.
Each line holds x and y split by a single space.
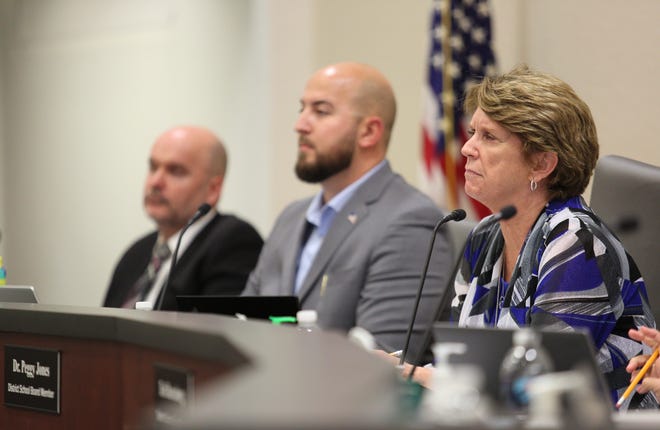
533 185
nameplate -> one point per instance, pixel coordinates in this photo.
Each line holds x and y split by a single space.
173 390
32 378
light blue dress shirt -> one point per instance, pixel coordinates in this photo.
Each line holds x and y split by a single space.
320 217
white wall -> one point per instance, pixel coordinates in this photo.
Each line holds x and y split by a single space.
5 7
609 51
90 83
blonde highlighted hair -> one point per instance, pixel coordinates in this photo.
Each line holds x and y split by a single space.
548 116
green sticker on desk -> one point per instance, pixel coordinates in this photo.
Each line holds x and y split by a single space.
282 320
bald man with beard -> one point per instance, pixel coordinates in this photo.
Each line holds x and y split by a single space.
187 167
354 251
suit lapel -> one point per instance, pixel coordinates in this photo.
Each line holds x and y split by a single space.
355 211
341 228
194 245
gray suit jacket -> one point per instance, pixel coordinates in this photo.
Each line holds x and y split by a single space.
368 268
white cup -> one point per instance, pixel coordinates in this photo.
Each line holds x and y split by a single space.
144 306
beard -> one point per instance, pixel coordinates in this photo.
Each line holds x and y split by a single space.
326 164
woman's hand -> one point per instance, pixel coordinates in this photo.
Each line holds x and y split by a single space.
651 381
422 375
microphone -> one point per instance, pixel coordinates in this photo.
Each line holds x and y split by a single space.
201 211
456 215
505 213
627 224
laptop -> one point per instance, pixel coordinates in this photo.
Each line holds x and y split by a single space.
17 294
486 348
259 307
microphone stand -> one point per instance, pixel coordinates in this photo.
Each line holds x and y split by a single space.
201 211
456 215
444 301
505 213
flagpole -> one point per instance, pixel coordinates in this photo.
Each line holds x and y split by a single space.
447 100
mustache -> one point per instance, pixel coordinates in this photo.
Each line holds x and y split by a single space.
155 196
302 140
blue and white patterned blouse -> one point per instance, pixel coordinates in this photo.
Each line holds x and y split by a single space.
572 272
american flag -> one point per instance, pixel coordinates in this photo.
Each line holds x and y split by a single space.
460 55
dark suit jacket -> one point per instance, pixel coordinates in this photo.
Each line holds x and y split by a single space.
218 261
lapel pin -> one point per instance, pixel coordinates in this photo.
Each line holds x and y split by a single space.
352 218
324 284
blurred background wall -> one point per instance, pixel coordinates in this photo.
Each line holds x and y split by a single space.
86 85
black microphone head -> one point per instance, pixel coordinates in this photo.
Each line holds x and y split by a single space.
458 215
455 215
203 209
508 212
627 224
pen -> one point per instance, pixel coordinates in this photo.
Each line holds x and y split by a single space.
638 378
396 354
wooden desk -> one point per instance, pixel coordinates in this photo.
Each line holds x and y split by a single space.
256 373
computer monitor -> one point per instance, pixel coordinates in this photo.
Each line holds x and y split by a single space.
17 294
259 307
486 348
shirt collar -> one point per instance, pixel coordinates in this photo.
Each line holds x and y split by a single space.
317 213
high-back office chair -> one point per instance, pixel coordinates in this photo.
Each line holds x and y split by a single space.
626 195
458 233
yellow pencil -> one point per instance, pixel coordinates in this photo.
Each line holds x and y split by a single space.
638 378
